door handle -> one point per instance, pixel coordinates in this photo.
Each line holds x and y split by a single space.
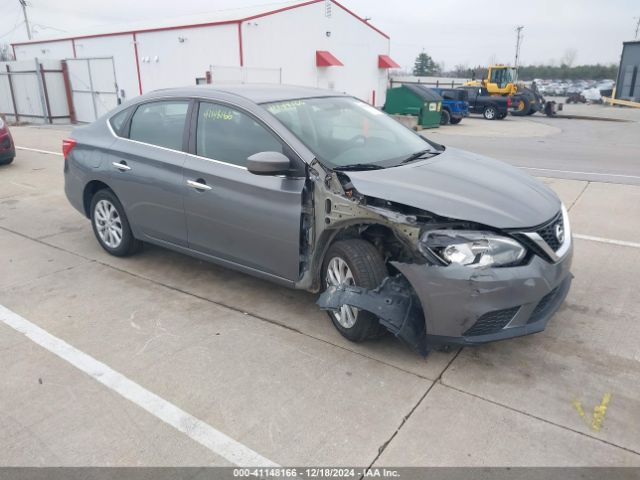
123 167
198 185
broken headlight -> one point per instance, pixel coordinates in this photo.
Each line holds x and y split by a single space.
472 248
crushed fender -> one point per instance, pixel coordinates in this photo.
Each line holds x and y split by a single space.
393 302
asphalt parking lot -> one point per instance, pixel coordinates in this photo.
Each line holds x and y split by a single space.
160 359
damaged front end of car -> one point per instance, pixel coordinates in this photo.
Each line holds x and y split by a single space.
450 281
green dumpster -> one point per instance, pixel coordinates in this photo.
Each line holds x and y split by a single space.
417 100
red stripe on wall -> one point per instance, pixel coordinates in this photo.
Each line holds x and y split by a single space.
240 43
135 51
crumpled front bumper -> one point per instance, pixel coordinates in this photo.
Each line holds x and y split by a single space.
469 306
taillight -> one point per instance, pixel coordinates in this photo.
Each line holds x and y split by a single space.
508 102
67 146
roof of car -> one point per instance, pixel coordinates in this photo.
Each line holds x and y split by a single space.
258 93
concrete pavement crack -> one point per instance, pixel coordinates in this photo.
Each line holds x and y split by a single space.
549 422
384 446
217 303
579 196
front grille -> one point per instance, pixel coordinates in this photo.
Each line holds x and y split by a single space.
542 305
548 233
491 322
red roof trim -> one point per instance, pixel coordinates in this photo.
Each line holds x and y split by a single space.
131 32
326 59
385 61
198 25
361 19
283 9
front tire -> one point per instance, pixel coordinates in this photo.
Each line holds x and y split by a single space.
110 225
522 107
354 262
6 161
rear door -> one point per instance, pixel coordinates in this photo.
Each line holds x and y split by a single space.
232 214
147 175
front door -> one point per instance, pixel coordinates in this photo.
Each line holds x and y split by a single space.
232 214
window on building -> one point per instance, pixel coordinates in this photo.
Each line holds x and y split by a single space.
160 123
228 135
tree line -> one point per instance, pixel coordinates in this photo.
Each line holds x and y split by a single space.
425 66
550 72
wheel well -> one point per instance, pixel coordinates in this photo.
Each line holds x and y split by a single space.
89 191
381 236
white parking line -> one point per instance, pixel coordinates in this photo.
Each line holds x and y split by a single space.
48 152
607 240
201 432
581 173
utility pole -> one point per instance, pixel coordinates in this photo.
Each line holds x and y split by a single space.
23 4
518 41
637 27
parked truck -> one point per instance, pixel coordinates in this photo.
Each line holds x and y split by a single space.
501 81
454 105
489 106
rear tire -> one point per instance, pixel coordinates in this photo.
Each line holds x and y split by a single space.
367 270
111 226
445 117
7 161
455 121
490 113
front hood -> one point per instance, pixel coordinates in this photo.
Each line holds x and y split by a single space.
463 186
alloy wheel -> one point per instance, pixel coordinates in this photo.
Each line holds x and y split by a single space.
339 273
108 223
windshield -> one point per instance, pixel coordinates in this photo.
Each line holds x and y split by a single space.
343 131
502 76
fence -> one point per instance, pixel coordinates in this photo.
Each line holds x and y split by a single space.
35 91
444 82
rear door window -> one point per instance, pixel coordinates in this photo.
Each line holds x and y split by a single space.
160 123
231 136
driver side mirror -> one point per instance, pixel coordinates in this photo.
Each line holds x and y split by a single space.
268 163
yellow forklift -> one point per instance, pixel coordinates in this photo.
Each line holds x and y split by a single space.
502 80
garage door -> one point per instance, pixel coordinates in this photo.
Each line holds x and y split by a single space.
93 86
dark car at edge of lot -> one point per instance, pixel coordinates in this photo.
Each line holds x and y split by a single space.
7 148
491 107
319 191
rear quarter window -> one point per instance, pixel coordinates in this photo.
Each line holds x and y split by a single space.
119 120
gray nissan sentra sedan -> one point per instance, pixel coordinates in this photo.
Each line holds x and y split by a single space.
319 191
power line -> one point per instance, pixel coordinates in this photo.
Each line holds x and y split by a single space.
15 27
